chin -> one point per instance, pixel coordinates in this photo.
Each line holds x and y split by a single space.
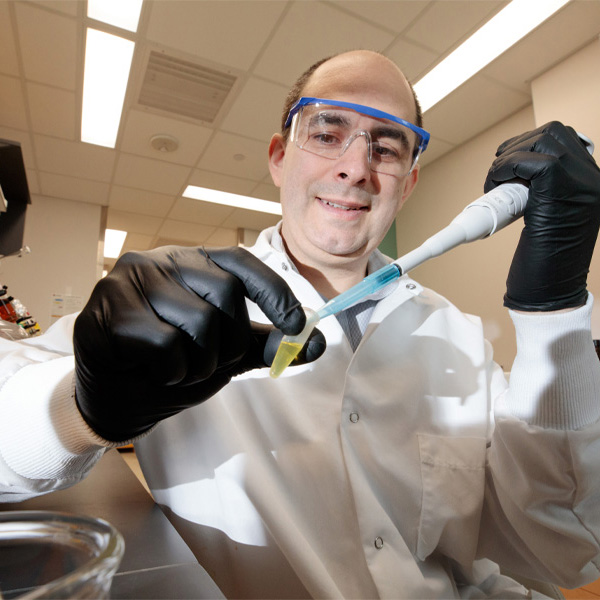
345 248
346 252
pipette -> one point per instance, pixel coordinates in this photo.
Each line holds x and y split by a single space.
480 219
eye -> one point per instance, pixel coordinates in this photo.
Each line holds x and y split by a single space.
385 152
325 138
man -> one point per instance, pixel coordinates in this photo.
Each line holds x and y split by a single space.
376 469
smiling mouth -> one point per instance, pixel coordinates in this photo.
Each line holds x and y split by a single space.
348 208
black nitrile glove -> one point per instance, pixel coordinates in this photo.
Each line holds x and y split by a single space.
168 328
550 266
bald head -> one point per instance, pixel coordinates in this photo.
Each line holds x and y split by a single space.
358 73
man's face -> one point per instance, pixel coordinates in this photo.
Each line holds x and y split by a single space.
337 211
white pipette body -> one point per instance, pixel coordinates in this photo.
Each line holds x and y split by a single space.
483 217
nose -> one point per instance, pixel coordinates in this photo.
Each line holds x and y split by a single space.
354 162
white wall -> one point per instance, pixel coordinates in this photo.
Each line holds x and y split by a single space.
474 276
64 239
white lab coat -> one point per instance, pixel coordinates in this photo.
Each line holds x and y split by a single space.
380 473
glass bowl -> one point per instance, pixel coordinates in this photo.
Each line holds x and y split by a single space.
57 555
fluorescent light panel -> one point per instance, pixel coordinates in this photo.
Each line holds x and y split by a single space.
218 197
107 65
511 24
121 13
113 242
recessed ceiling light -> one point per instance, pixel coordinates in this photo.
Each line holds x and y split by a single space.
107 64
113 242
218 197
121 13
506 28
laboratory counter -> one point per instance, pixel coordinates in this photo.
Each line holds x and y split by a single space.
157 563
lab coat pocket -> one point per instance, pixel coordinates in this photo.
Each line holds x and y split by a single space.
453 478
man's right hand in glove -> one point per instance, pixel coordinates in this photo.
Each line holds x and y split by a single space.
168 328
551 263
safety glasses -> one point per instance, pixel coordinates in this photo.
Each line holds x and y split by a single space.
328 127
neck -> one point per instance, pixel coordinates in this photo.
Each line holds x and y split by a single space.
331 283
332 279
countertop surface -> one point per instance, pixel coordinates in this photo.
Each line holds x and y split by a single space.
157 563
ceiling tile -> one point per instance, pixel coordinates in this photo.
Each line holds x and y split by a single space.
190 232
412 59
8 54
67 7
256 111
52 111
223 149
448 23
266 191
164 241
222 237
196 211
132 222
475 106
83 190
395 16
250 219
61 156
12 103
140 201
311 31
137 241
49 47
213 28
218 181
141 126
32 181
151 175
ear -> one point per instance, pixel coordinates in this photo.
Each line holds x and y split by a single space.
276 158
410 184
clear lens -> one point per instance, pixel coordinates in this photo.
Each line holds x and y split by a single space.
328 131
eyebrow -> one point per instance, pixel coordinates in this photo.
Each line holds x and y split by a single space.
329 118
393 133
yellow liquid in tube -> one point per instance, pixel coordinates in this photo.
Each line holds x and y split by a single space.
286 353
290 345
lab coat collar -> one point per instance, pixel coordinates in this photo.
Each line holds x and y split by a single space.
270 249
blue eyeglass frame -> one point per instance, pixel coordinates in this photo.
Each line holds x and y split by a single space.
365 110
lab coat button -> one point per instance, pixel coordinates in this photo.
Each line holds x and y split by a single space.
284 266
410 286
378 543
354 417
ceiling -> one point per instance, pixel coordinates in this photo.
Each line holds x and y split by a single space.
263 46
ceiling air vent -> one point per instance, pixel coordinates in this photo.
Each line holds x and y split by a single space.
184 88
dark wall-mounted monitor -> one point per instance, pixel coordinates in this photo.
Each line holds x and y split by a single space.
14 197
